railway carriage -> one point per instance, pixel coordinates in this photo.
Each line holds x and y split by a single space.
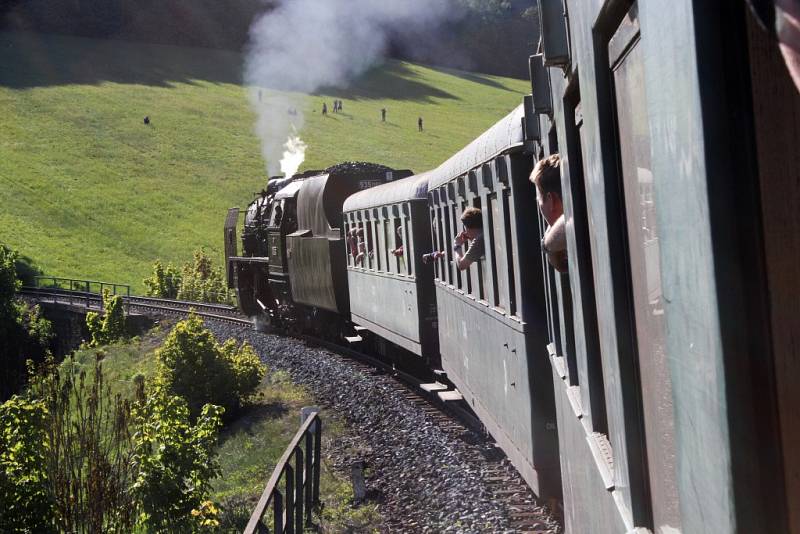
492 316
392 296
315 251
677 126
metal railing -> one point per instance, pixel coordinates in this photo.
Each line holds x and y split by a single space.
300 484
87 286
73 290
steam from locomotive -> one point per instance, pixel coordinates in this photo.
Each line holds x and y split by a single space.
303 45
293 156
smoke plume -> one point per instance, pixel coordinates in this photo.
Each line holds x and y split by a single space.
303 45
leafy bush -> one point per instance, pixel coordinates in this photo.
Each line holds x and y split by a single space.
164 283
175 462
109 327
23 332
27 504
88 457
197 281
201 282
193 365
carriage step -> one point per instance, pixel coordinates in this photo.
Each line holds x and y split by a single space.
359 328
354 339
450 395
435 386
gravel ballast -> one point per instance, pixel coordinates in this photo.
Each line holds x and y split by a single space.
425 478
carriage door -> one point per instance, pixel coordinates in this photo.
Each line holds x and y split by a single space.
626 60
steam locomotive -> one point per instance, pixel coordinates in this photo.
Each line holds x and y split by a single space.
650 387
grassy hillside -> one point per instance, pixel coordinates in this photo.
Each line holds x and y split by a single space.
87 190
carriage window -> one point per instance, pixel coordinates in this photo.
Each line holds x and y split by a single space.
643 248
499 265
441 244
369 260
348 239
446 242
587 341
387 240
408 252
475 280
512 284
396 249
434 240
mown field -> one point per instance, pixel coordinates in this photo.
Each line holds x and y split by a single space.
88 191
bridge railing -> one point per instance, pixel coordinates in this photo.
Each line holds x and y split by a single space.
293 488
87 286
77 291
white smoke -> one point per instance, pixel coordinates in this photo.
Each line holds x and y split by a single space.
293 156
303 45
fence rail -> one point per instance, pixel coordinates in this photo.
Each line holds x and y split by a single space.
88 286
298 470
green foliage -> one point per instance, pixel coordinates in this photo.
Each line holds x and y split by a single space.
109 327
24 333
247 368
174 461
164 283
86 448
27 504
201 282
38 330
193 365
9 285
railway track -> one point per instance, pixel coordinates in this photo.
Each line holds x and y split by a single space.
93 301
454 419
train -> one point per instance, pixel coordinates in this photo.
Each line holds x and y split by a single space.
651 386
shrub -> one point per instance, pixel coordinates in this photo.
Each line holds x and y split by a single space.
27 504
201 282
174 462
193 365
23 332
86 447
109 327
165 282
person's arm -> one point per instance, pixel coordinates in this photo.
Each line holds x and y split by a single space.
555 245
459 257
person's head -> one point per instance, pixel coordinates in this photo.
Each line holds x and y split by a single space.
472 220
360 232
547 177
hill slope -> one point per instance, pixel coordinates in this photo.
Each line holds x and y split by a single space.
87 190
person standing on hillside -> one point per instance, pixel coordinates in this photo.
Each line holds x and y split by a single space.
419 124
383 114
324 108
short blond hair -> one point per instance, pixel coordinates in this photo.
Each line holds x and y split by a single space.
546 175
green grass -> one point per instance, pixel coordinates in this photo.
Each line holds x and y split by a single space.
88 191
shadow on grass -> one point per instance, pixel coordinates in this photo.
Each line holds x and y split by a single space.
40 60
473 77
250 416
393 80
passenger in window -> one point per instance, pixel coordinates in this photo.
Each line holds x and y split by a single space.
360 246
546 176
472 232
352 242
398 250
